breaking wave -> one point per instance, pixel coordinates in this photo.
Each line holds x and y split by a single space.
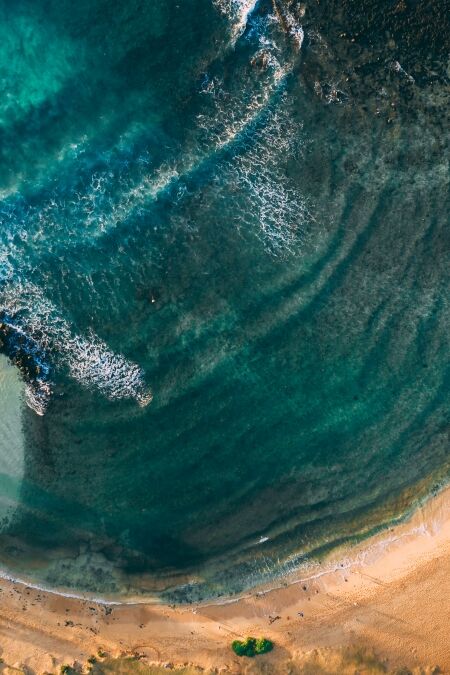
87 359
237 13
241 131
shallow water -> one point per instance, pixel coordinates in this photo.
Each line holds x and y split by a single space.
11 441
224 279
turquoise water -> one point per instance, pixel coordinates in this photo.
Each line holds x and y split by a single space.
224 280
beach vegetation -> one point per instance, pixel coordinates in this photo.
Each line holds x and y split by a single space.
251 646
263 645
131 665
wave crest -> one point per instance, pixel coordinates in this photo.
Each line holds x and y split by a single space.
87 359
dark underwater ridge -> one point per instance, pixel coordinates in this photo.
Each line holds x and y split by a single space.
224 276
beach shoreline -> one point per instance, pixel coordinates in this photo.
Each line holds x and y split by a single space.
339 557
388 594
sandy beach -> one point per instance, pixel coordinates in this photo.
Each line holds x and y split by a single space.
387 599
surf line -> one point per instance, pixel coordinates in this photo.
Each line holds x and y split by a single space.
167 177
238 12
87 359
164 179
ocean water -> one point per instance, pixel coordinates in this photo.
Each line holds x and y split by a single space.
224 277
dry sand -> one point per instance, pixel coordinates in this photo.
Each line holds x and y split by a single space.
391 595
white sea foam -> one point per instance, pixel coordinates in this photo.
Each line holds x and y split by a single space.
87 359
255 187
261 193
237 12
290 24
38 395
216 130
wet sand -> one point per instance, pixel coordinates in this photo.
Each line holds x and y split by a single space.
390 595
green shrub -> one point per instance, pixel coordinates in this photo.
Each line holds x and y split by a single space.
251 646
242 647
262 646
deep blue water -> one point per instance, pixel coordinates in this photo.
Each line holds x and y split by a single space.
224 279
